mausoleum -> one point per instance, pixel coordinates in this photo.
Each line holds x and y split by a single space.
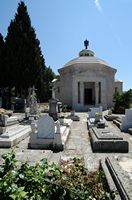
86 81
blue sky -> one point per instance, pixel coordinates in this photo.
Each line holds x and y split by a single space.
63 25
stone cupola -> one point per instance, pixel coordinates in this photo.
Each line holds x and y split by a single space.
86 52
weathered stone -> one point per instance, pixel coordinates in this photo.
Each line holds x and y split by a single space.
120 177
92 112
86 81
105 141
126 120
110 117
46 134
53 108
73 116
12 135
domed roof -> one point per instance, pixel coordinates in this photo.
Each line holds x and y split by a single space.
86 59
86 56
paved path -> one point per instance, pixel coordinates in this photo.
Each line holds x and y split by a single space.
78 145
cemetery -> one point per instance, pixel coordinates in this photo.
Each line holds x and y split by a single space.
103 139
57 136
36 131
67 130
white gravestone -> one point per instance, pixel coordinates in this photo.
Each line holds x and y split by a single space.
46 134
46 127
127 120
93 111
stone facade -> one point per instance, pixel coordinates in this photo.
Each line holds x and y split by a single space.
86 81
118 86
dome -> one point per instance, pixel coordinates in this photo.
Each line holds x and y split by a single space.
86 56
87 60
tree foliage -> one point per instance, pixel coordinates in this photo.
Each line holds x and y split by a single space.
24 63
122 101
2 61
24 57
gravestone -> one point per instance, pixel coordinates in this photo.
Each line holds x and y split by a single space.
126 120
31 111
18 104
53 108
47 134
73 116
104 140
5 120
46 127
93 111
11 132
119 169
95 118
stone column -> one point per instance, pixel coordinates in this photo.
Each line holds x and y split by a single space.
96 93
82 92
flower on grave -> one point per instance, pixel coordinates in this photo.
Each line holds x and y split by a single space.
97 117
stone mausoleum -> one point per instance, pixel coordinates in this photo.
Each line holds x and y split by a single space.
86 81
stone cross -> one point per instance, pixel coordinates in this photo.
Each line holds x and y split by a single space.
32 101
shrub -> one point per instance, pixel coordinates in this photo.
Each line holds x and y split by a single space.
122 101
46 182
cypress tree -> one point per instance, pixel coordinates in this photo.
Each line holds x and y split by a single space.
2 67
24 58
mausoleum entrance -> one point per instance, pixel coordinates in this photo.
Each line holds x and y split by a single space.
89 93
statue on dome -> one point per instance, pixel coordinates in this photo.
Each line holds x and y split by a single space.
86 43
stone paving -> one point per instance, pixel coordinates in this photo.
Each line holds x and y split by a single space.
78 145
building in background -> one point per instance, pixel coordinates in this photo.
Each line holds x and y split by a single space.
86 81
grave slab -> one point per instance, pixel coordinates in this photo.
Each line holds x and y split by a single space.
47 134
103 140
120 175
12 135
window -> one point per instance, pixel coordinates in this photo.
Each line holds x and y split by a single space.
99 92
78 92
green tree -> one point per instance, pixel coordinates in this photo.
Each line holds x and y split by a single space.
24 58
2 67
3 73
48 77
122 101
